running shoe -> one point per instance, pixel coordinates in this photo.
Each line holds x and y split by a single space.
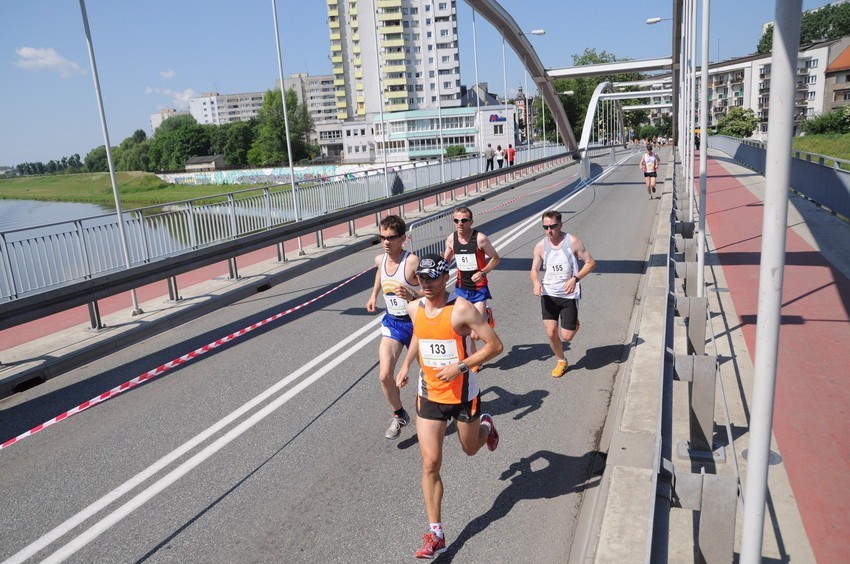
560 368
432 546
490 319
493 437
396 423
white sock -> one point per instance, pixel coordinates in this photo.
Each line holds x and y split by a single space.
437 529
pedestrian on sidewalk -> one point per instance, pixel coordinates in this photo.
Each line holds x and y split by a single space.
649 163
500 156
557 255
447 387
489 155
396 281
510 153
475 257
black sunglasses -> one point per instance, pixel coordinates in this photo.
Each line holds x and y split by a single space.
462 220
388 237
548 227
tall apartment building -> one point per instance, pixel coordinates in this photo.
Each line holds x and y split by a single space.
162 115
393 55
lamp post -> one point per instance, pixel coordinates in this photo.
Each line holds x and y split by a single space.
652 21
539 32
295 207
122 234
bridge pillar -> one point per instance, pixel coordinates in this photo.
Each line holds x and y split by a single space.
173 292
95 321
585 168
233 271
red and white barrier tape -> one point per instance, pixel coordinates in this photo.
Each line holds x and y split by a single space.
169 365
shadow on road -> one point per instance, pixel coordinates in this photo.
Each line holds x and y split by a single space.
560 476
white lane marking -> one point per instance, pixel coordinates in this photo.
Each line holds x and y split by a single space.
104 524
143 497
146 474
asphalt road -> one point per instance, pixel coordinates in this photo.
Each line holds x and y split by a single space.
271 447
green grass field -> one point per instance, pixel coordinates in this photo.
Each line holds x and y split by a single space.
137 189
833 145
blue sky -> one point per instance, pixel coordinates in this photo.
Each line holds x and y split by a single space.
156 54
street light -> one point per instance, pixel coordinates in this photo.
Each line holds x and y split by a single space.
651 21
537 32
567 93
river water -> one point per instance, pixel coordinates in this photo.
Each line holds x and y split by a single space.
19 214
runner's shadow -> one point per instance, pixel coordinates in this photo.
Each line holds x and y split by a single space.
561 475
506 402
599 357
520 355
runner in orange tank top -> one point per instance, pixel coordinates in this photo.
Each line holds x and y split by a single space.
448 388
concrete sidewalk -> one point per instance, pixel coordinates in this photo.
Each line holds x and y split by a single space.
808 513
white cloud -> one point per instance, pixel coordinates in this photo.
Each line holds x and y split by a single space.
35 58
166 74
179 99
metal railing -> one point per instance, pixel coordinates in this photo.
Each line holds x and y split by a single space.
48 256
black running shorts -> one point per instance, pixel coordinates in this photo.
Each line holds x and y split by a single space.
565 309
463 412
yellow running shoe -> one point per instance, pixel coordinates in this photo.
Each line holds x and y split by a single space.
560 368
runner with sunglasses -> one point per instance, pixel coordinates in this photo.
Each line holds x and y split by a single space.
396 281
558 255
471 249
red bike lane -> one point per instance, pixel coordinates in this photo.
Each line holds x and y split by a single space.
811 416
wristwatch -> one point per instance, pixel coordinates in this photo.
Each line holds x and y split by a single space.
577 279
462 368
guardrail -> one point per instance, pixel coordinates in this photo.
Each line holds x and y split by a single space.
91 289
36 259
811 177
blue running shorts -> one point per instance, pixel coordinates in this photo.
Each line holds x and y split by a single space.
397 328
474 296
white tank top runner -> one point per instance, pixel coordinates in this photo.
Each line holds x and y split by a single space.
559 265
650 161
396 306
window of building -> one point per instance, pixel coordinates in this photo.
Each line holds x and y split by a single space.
810 95
846 96
447 84
428 8
420 100
811 79
441 6
428 35
812 64
498 129
433 98
444 33
446 58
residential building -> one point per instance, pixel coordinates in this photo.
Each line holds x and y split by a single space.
822 84
837 82
317 93
525 113
393 55
215 108
159 117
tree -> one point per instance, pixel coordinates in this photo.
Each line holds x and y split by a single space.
829 22
269 145
171 148
836 121
233 140
455 151
96 160
738 122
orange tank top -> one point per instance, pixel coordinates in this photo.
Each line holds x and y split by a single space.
440 346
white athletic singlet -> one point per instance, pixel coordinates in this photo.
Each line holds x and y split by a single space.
650 161
559 265
396 306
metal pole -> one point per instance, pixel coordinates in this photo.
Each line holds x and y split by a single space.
543 105
122 233
786 41
477 89
703 153
693 57
439 102
295 205
505 86
527 112
381 108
